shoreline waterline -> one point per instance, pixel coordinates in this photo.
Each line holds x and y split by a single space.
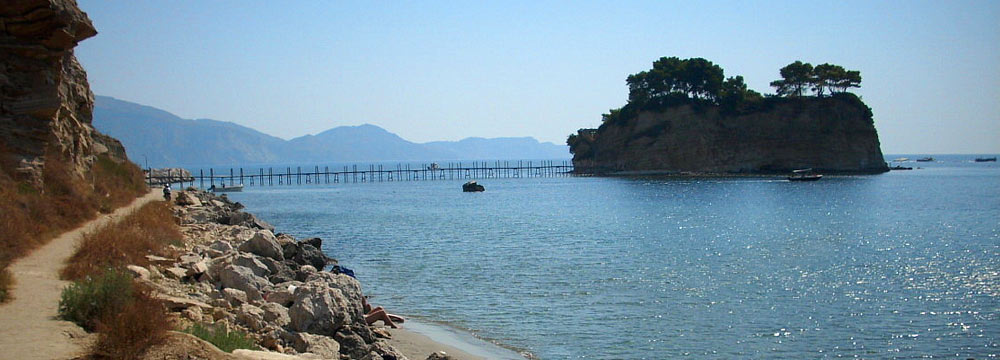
466 343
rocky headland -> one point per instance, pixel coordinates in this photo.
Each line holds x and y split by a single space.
683 118
831 135
46 105
234 271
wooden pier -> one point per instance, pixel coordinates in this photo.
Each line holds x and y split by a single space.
272 176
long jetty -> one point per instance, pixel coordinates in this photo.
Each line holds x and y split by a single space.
271 176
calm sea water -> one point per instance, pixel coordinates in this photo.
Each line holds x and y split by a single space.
899 265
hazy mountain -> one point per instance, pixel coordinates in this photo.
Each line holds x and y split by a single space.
512 148
367 143
164 139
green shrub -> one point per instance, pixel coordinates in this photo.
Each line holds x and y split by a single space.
87 301
223 339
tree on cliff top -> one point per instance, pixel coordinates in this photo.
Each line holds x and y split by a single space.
670 76
798 77
795 78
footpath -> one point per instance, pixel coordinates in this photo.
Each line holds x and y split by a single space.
29 326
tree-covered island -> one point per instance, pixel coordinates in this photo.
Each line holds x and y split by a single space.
685 115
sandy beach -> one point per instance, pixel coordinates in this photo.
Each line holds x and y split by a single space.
418 346
418 338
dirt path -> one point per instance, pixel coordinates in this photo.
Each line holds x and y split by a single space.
29 328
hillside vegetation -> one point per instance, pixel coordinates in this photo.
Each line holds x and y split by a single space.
35 213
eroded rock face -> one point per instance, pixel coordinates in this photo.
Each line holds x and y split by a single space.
831 134
45 99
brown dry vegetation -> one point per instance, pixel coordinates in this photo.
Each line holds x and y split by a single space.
127 332
33 215
146 231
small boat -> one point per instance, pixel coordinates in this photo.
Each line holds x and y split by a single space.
804 175
900 167
434 166
994 159
901 159
926 159
472 186
223 188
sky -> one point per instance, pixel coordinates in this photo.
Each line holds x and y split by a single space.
447 70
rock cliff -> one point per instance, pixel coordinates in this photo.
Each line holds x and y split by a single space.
45 101
831 134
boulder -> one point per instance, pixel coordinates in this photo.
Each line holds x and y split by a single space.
174 303
263 243
352 345
251 316
387 352
222 246
314 242
275 314
283 294
197 268
175 273
251 262
189 258
317 344
441 355
185 198
139 272
324 308
234 297
310 255
242 278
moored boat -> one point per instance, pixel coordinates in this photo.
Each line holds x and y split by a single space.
926 159
223 188
985 159
804 175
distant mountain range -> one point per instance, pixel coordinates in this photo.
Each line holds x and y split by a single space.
163 139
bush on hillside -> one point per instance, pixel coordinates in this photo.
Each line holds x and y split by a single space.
87 301
218 335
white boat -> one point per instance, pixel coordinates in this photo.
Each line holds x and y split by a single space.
223 188
804 175
901 159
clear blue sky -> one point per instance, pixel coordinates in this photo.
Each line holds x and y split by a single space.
430 70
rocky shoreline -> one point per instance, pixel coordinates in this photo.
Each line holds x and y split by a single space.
232 270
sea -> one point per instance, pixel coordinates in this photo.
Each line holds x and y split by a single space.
902 265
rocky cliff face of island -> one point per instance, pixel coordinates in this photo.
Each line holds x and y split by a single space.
831 134
45 101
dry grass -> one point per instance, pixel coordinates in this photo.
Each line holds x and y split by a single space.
33 215
127 334
146 231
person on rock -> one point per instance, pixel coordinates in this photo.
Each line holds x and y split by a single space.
378 313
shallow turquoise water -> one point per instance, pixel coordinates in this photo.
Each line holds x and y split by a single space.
904 264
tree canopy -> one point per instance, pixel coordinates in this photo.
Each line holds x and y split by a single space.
697 78
696 81
798 77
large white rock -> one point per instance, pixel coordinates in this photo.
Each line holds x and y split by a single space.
250 262
263 243
320 345
242 278
325 303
